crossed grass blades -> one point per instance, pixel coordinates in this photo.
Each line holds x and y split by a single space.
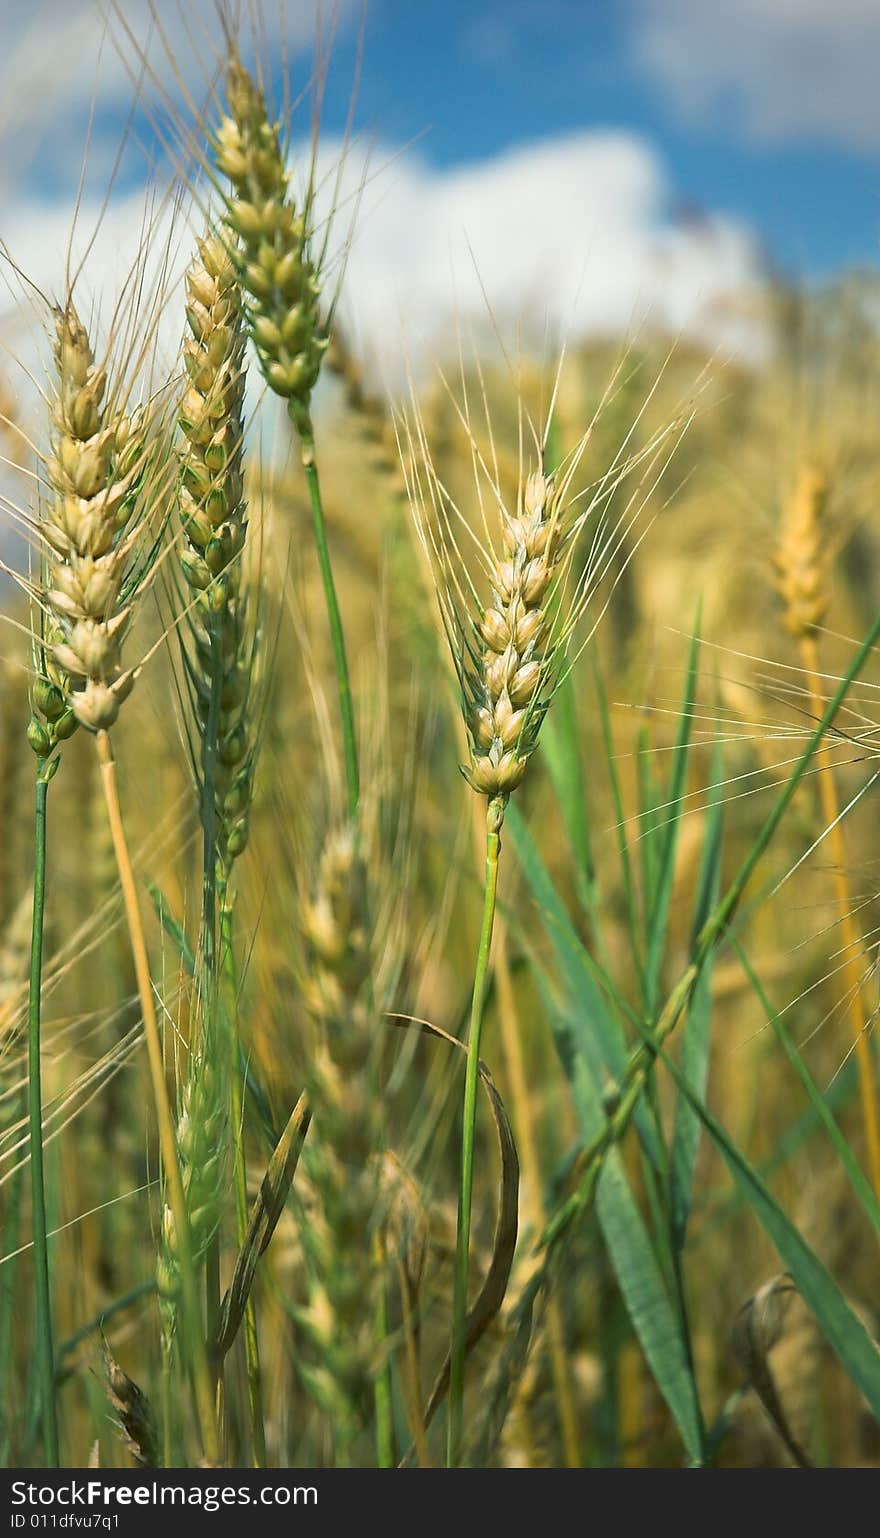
260 1259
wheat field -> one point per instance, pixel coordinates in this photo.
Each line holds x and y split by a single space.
438 918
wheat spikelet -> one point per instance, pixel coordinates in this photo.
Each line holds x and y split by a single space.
91 530
505 693
111 472
801 564
277 270
200 1138
506 653
340 1157
214 517
511 653
202 1145
799 558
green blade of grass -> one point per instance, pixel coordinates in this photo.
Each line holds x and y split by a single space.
255 1090
600 1034
171 927
650 796
654 1319
658 895
859 1182
858 1354
696 1029
620 820
561 750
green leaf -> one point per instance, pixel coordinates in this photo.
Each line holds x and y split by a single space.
667 819
175 932
697 1026
654 1319
597 1028
575 963
649 797
841 1326
860 1184
561 752
171 927
620 819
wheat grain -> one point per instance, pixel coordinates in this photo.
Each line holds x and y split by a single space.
92 530
214 517
510 654
278 271
340 1157
799 558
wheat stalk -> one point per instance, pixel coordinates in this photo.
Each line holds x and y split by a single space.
346 1278
221 666
505 656
280 274
800 564
214 521
510 655
110 478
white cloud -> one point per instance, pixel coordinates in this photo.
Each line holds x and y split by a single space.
564 239
777 69
61 56
57 49
570 237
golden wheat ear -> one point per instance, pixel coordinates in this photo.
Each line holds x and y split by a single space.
800 557
110 475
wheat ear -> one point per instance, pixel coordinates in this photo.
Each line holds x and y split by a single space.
280 273
506 656
110 482
800 563
345 1278
220 663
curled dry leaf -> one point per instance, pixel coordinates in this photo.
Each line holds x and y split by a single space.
405 1240
759 1326
136 1420
265 1213
491 1295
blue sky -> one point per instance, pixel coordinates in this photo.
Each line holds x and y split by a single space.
585 166
479 77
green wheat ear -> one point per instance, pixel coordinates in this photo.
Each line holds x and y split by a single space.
221 659
279 265
341 1157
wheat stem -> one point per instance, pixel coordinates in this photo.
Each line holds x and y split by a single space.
43 1300
337 635
801 561
382 1396
242 1214
210 994
521 1102
167 1406
11 1229
167 1141
251 1338
494 816
849 931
